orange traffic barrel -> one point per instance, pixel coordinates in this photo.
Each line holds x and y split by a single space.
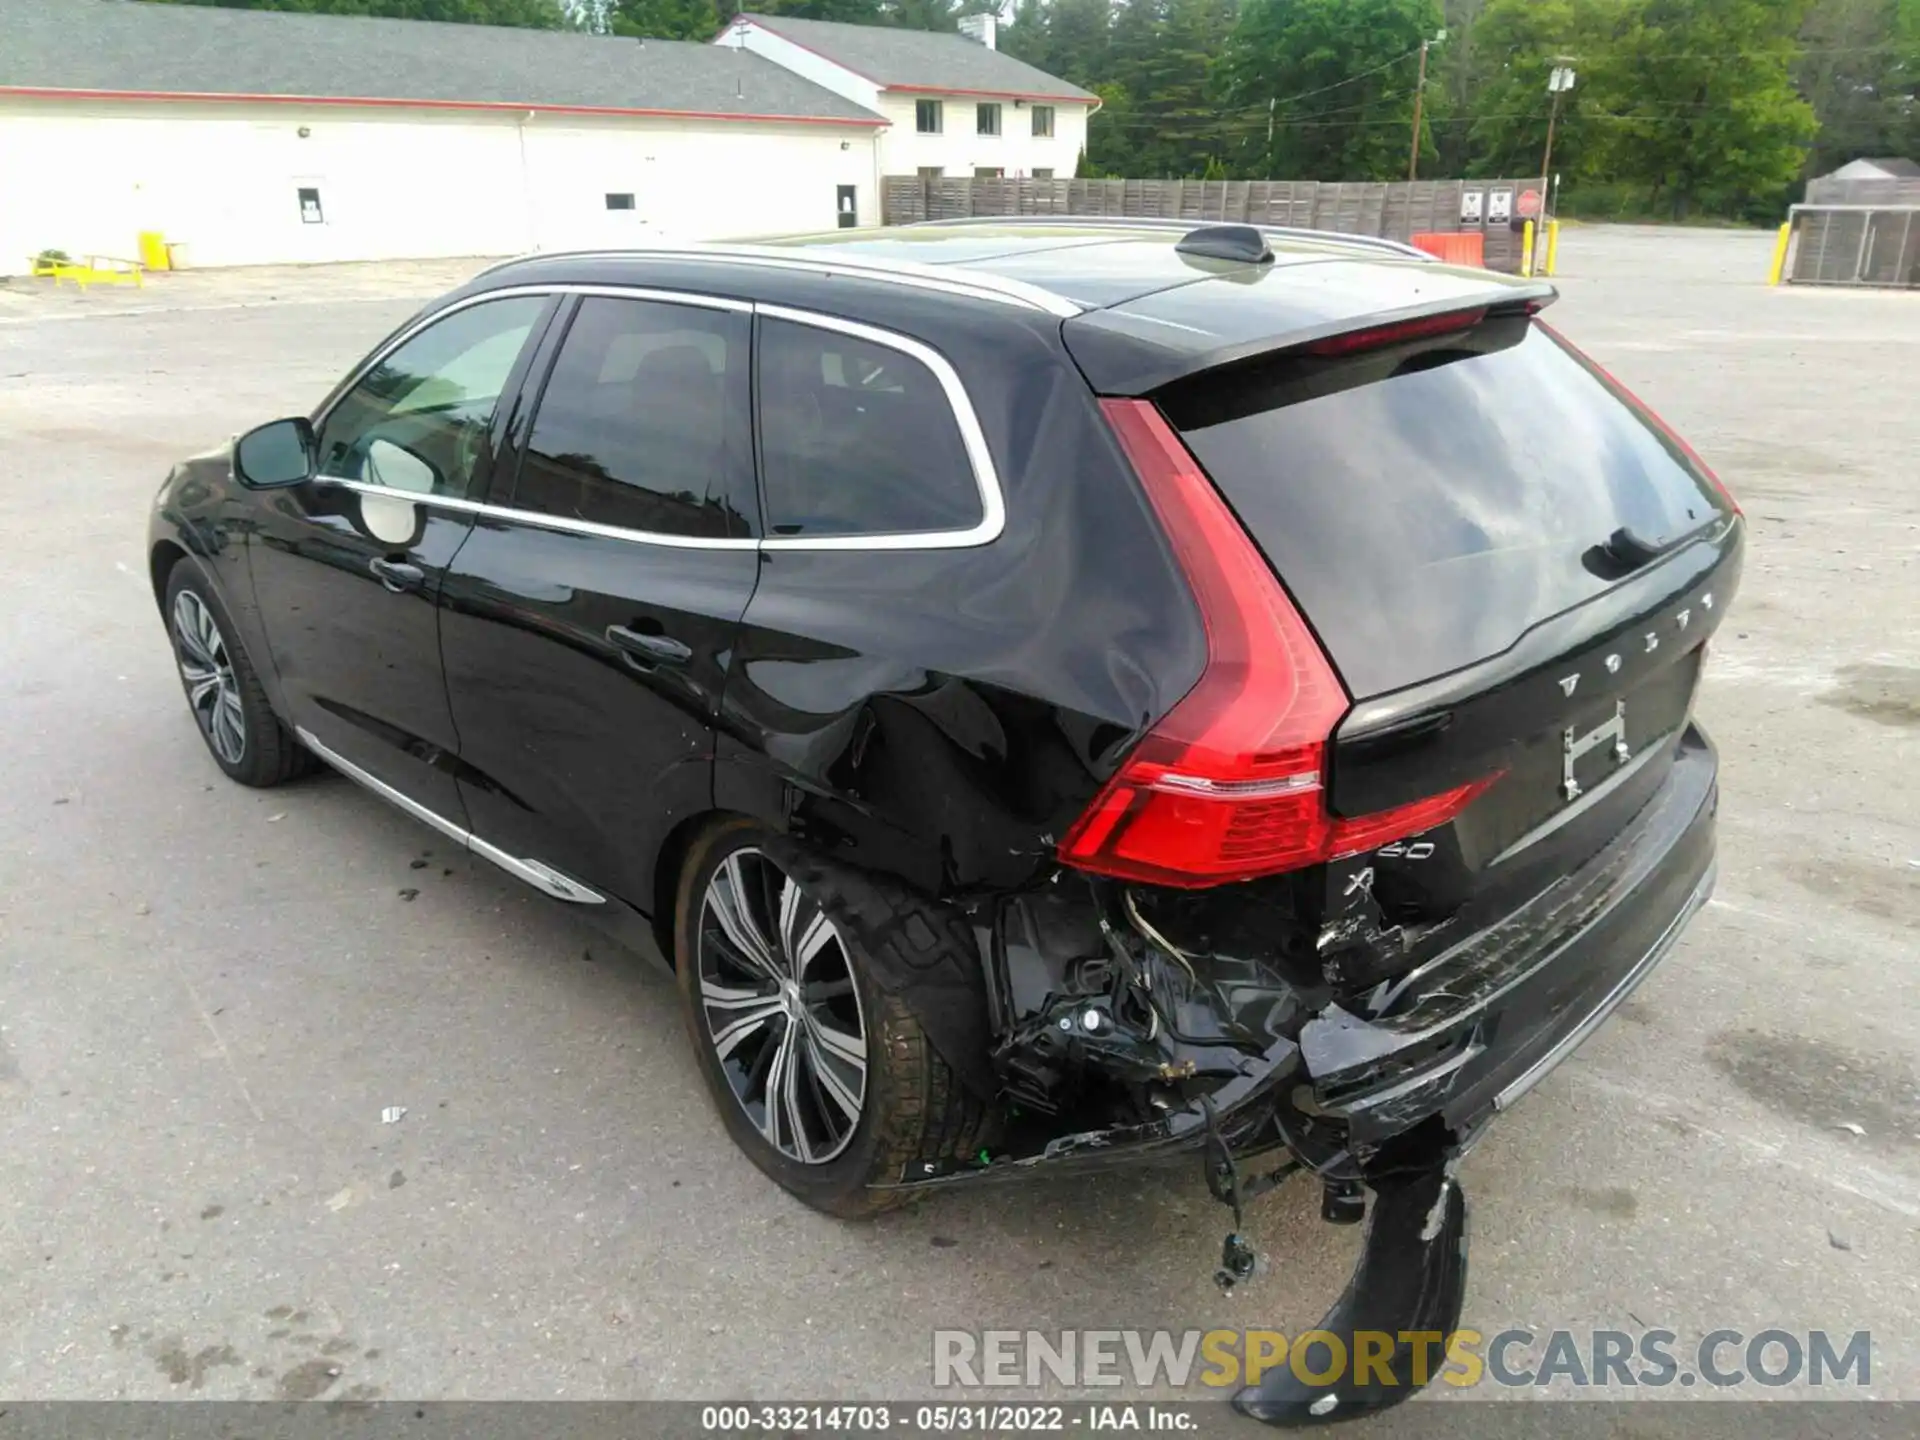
1466 247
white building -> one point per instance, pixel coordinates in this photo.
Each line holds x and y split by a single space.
249 137
956 105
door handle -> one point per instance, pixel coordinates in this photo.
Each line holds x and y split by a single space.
654 649
397 575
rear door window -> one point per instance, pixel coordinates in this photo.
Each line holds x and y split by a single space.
1427 509
644 422
857 438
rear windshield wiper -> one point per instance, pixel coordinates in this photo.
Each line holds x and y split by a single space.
1626 551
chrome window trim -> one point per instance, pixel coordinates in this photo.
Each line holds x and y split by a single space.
993 508
967 284
508 515
993 511
515 292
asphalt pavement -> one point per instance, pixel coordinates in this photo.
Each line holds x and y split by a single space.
213 1000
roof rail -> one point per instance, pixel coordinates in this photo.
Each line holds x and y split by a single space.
971 284
1145 222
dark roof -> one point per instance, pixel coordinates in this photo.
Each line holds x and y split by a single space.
128 47
899 59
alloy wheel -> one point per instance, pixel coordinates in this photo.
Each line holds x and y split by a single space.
781 1008
207 669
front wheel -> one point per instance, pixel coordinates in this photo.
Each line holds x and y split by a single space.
822 1077
244 736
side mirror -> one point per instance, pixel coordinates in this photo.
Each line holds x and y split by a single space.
283 452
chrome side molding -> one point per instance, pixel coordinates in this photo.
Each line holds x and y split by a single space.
541 876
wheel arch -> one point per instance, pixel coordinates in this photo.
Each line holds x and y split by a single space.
670 867
166 554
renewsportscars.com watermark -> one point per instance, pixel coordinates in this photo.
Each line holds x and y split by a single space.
1228 1359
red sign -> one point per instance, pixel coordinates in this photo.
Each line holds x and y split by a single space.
1529 204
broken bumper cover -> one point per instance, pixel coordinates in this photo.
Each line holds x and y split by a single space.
1469 1032
1502 1019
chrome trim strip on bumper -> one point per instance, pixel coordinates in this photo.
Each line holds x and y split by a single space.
541 876
1626 985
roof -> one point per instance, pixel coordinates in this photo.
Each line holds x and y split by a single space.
899 59
1893 167
125 48
1141 314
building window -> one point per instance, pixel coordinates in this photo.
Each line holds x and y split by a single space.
1043 172
619 200
932 172
1043 121
987 119
310 206
988 172
926 116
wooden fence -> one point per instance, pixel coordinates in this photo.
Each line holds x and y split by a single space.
1393 210
1879 193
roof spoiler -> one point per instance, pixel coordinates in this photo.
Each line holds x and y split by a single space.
1124 352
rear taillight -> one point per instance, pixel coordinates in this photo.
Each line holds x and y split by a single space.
1231 783
1647 413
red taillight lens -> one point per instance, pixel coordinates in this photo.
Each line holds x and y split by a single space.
1646 412
1230 784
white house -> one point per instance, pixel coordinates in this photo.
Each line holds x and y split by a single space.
250 137
957 106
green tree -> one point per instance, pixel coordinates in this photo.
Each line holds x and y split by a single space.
856 12
1694 100
664 19
1518 43
1337 77
1859 68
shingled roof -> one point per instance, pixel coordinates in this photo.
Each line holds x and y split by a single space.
899 59
127 48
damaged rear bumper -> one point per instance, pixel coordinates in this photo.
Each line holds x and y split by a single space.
1389 1090
1461 1037
1469 1032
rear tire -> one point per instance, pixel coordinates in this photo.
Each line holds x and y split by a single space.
224 694
740 883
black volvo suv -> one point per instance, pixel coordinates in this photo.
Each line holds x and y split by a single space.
1055 693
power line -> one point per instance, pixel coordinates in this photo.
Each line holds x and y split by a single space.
1364 74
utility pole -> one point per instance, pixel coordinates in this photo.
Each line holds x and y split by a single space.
1419 96
1419 101
1558 84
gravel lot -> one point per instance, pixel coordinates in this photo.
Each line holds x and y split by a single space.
208 995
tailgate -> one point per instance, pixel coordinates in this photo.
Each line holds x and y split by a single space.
1513 565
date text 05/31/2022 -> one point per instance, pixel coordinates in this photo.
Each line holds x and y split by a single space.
936 1419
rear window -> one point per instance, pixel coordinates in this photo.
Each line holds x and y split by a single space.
1427 508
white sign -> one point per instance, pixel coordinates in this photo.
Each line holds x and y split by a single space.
1470 201
1499 207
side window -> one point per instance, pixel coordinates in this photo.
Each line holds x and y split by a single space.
418 419
857 438
645 421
